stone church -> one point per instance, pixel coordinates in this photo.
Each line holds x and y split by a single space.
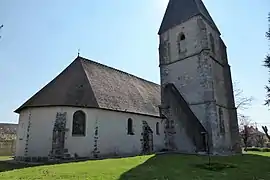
92 110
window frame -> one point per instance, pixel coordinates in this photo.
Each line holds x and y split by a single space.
221 120
212 43
181 37
157 128
130 126
84 124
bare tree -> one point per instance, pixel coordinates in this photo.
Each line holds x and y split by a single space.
265 129
242 103
267 65
259 140
245 130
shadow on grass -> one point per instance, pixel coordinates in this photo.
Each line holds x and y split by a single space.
6 166
9 165
186 167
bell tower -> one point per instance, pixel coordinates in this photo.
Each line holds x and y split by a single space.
193 60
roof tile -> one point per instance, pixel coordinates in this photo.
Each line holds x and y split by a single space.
86 83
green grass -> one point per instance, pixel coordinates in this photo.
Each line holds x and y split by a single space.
4 158
259 153
162 167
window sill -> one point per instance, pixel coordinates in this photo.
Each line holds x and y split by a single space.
78 135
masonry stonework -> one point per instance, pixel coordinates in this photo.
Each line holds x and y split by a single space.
106 133
193 106
198 74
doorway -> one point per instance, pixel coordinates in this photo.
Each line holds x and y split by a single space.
58 140
147 138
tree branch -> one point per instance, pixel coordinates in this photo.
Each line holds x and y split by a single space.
265 129
241 102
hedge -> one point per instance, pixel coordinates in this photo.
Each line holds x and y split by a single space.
258 149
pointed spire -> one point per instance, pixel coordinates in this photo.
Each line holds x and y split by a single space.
179 11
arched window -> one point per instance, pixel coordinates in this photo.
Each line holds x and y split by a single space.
221 121
157 128
79 120
182 37
212 43
130 127
180 40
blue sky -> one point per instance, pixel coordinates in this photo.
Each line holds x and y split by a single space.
41 38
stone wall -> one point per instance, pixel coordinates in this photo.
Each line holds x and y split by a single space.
196 64
106 133
184 125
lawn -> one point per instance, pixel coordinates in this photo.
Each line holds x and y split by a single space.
259 153
159 167
2 158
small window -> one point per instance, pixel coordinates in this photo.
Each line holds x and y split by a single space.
130 127
78 128
221 121
212 43
180 39
157 128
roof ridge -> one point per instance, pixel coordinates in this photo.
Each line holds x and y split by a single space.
8 124
91 84
180 11
118 70
206 14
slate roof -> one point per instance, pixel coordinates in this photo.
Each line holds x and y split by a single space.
7 128
85 83
179 11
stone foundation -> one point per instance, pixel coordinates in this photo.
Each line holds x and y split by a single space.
31 159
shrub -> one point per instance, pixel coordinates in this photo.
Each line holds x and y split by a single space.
259 149
253 149
164 150
266 150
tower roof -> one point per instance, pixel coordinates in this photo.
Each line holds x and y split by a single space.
179 11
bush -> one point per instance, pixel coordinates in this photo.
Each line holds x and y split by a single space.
259 149
266 150
253 149
164 150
